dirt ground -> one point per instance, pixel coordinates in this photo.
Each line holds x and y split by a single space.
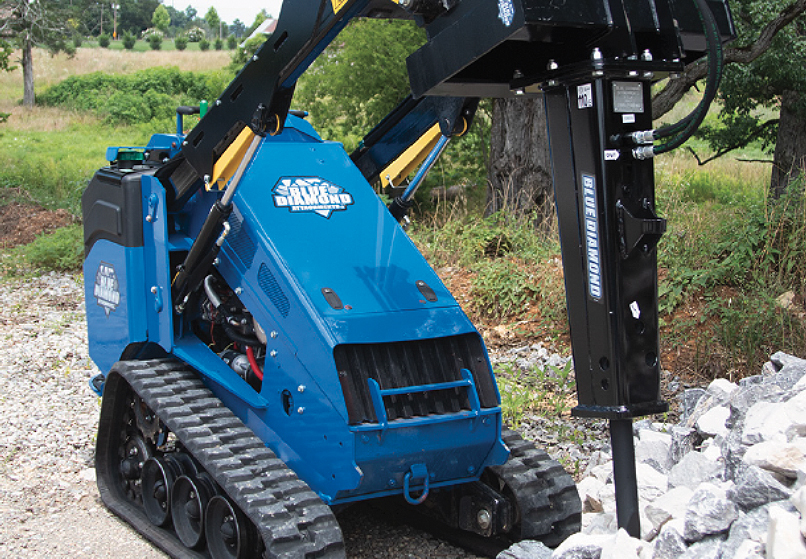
21 223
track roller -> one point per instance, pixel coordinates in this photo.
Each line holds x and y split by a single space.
229 534
189 500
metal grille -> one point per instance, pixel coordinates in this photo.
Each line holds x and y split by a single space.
414 363
240 240
268 283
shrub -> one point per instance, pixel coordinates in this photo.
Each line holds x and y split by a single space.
155 41
104 40
181 42
77 40
219 44
204 44
146 94
232 42
129 40
195 34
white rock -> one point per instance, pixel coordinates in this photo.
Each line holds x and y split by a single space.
671 504
782 421
712 422
652 435
622 546
749 550
777 456
709 512
588 490
599 523
651 483
799 501
712 450
653 452
603 472
783 537
721 388
582 545
692 470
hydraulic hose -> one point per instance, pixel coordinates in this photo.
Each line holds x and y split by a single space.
250 354
686 127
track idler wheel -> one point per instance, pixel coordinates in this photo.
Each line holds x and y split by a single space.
158 477
189 500
229 534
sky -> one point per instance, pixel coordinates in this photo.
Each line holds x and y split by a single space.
230 10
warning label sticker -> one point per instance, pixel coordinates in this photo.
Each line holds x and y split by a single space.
338 5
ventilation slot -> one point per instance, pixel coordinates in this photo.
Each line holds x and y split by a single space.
414 363
268 283
240 240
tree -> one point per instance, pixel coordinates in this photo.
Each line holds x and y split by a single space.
237 28
135 15
262 16
161 18
191 13
519 169
27 23
764 70
359 78
212 19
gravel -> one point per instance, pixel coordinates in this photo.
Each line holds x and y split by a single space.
49 504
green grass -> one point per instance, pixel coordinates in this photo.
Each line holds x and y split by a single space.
52 168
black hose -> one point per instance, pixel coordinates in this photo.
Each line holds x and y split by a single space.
236 336
686 127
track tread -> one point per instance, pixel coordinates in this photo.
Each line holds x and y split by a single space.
265 489
549 504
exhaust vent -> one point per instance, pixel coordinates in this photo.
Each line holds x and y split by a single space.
268 283
240 240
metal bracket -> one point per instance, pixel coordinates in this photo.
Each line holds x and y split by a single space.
637 231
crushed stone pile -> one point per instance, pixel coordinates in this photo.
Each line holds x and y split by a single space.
728 481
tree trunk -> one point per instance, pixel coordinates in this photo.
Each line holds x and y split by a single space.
28 72
519 169
789 161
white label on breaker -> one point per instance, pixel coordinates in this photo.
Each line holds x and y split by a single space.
585 96
628 118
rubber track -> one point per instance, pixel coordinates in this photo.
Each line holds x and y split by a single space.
548 501
293 521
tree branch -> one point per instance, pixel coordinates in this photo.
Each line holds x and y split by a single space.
667 98
743 141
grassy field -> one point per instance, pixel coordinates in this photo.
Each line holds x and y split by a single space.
47 154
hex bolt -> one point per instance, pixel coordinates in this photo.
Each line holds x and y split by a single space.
300 410
484 519
301 388
646 56
149 218
273 353
218 102
273 334
471 469
552 65
238 290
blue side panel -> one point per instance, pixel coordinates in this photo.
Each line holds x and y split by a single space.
157 304
114 296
